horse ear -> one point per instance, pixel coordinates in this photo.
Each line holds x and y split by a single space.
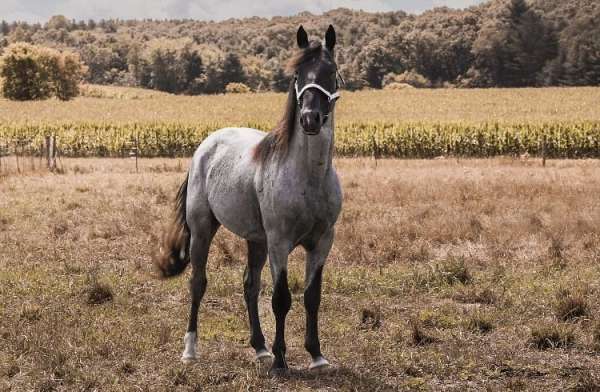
302 38
330 38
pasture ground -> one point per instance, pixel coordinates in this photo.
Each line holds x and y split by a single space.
445 275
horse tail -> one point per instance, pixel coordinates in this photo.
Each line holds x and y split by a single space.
174 253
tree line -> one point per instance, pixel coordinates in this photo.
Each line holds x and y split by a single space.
500 43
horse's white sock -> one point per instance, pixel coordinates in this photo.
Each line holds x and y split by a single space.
189 352
318 363
263 355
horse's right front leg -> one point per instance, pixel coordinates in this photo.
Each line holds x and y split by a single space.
281 301
199 246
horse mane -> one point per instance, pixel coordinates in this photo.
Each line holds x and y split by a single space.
277 141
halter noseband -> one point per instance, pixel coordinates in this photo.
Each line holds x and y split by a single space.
330 97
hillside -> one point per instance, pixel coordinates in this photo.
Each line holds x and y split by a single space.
502 43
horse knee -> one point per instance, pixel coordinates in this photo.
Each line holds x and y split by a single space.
312 300
282 298
198 285
312 293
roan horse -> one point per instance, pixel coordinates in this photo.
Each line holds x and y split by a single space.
277 191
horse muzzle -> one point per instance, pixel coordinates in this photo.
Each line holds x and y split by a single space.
311 122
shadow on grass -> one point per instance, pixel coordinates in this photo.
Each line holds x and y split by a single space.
338 378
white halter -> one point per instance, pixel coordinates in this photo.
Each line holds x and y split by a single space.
330 97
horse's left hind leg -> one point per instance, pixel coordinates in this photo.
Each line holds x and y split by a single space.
315 261
257 256
201 237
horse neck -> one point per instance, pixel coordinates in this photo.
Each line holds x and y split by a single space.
312 155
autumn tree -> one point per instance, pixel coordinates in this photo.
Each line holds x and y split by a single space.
30 73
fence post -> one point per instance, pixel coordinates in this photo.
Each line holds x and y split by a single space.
544 150
3 152
132 148
137 150
54 152
17 157
49 152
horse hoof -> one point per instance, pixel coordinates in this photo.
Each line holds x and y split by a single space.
319 364
188 359
263 356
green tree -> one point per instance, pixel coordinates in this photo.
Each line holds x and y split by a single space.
512 48
376 62
4 28
193 70
580 51
233 71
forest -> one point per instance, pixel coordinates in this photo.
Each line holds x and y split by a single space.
499 43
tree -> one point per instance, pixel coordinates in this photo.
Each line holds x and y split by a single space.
193 70
580 51
512 48
280 81
58 22
30 72
164 73
65 74
4 28
376 62
233 71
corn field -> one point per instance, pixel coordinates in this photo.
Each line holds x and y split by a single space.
380 139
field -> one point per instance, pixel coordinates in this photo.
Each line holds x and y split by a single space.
556 123
125 105
450 274
445 275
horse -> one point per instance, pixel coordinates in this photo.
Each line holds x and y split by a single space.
277 190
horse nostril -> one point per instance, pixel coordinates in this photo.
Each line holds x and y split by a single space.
318 118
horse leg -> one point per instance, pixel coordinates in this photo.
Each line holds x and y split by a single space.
199 245
315 260
281 301
257 256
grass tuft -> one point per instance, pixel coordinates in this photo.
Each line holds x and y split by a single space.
570 305
31 312
455 271
295 283
98 293
556 249
596 336
128 368
480 322
418 334
371 318
551 336
178 377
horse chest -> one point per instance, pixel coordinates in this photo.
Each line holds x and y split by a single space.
300 209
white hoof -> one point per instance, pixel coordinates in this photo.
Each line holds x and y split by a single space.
189 352
188 359
319 364
263 355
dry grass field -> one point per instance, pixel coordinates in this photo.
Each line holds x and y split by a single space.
445 275
122 105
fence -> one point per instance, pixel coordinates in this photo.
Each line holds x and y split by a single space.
26 150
